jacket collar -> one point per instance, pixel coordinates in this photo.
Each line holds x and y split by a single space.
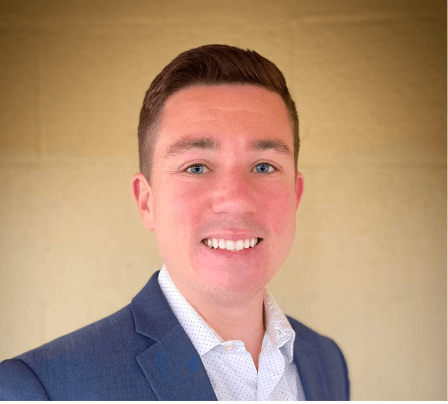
171 365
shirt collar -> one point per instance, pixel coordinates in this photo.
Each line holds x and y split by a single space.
277 325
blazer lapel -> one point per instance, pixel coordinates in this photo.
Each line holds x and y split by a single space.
174 369
171 365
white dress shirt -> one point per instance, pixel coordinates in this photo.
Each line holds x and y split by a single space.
229 366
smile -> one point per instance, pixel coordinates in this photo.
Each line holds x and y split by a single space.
230 245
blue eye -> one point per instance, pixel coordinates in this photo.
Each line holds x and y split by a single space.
197 168
267 165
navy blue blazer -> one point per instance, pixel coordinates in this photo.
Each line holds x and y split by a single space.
142 353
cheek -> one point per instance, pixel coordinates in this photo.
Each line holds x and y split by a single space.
186 201
279 210
281 218
181 208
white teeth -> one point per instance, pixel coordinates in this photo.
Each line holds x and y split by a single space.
231 245
239 245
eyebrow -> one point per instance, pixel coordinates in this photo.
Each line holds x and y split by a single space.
208 143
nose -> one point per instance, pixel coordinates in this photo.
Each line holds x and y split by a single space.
234 194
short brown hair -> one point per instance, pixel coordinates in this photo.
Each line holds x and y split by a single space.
208 65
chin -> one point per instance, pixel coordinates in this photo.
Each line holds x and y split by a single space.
233 278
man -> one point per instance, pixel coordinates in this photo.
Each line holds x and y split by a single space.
218 148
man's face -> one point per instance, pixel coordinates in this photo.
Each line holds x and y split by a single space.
232 191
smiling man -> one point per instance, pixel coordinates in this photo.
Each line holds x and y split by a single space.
218 147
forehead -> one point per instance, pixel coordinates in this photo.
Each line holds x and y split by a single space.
204 101
238 111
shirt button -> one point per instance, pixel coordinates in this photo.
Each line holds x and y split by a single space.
229 347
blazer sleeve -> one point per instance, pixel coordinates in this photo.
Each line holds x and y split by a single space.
19 383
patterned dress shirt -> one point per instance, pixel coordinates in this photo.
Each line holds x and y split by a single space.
229 366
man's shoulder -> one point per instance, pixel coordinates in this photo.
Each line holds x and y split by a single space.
329 357
311 337
96 351
310 341
99 334
18 382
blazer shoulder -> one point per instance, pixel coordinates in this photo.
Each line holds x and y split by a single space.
318 341
79 365
329 355
98 334
19 383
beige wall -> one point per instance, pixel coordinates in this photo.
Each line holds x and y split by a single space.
368 265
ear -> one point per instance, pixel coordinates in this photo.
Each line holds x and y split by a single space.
299 188
143 196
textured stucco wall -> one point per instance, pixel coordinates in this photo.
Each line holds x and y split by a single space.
368 265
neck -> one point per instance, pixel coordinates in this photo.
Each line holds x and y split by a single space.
233 319
232 322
